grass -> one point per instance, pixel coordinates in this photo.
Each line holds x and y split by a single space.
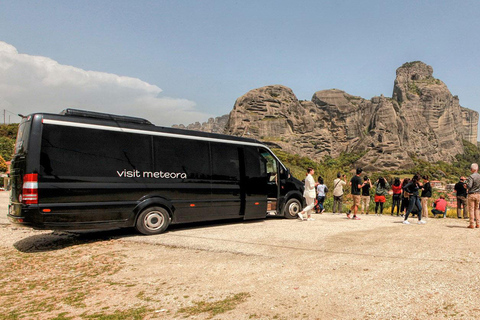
216 307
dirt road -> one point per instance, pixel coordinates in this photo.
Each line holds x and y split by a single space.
330 268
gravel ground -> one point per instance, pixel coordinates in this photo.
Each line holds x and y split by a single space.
330 268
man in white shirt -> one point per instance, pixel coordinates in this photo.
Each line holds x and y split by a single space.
338 193
309 195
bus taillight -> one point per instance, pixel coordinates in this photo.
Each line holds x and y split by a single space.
30 189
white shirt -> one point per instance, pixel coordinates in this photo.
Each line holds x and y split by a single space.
338 187
309 187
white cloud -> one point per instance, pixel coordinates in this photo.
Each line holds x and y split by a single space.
39 84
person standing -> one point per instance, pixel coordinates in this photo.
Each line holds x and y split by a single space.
397 195
321 194
381 190
309 195
473 198
338 193
365 200
426 194
461 194
356 185
414 201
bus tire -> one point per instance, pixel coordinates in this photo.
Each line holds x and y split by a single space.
292 208
153 220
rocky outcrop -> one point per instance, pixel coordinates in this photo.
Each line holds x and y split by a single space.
215 125
421 119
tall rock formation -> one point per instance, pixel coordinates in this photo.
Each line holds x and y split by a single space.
422 119
214 125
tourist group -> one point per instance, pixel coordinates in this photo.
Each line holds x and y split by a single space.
406 197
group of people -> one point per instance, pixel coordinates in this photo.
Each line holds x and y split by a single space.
406 197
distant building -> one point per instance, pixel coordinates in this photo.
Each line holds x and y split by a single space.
437 185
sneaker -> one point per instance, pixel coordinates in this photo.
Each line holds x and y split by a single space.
322 211
422 222
300 216
356 218
405 222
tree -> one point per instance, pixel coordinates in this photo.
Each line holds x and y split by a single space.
3 165
7 147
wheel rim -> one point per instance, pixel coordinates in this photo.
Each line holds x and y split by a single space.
154 220
294 209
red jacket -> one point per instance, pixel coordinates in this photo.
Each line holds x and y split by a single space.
440 204
397 189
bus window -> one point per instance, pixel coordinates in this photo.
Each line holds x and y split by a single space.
271 165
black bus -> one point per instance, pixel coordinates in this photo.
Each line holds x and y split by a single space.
83 170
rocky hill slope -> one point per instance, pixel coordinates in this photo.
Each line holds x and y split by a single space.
422 119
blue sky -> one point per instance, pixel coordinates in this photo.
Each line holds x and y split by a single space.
192 59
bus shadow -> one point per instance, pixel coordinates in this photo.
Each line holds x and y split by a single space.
59 240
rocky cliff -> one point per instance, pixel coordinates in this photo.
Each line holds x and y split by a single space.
421 119
214 125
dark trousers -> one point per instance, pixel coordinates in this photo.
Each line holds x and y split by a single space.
412 202
396 203
337 204
320 200
381 207
435 212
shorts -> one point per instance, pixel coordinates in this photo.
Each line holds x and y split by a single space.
356 199
380 198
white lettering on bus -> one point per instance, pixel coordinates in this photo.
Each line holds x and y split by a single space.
149 174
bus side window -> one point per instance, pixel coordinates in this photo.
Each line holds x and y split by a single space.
271 165
225 162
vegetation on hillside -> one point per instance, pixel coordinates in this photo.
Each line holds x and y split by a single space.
345 164
8 134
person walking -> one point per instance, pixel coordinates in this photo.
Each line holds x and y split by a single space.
473 198
309 195
356 185
365 199
321 194
396 196
426 194
338 193
413 200
461 194
405 196
381 190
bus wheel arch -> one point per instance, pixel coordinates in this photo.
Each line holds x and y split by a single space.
153 220
292 208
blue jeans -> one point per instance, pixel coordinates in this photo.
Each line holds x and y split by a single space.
412 201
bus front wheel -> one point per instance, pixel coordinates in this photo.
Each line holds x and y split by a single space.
153 220
292 208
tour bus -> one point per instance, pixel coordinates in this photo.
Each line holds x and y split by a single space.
83 170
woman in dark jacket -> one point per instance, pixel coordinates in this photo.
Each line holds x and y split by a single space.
404 205
414 200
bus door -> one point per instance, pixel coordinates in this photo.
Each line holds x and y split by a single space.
273 181
254 183
226 184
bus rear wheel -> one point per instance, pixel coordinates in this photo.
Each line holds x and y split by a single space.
153 220
292 208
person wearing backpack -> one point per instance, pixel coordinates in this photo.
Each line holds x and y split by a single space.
381 190
321 194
